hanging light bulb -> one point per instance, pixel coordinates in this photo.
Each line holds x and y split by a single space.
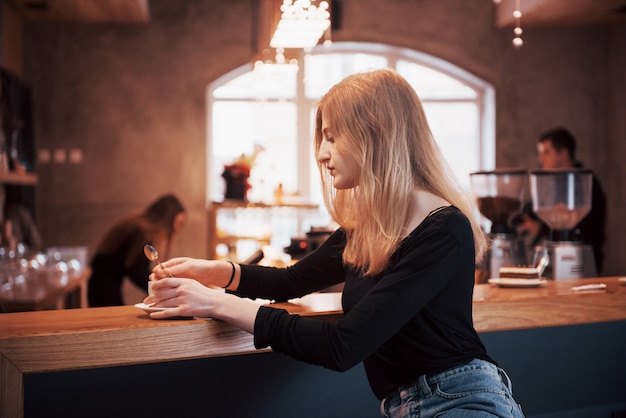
517 31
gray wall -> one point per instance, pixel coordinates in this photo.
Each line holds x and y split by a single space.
132 97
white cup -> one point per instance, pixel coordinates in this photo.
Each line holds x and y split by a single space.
150 291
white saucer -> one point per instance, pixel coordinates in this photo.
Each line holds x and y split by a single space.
622 280
150 308
512 282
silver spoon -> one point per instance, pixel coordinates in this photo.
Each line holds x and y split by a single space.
153 255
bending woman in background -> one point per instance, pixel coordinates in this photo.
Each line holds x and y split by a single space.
120 254
406 250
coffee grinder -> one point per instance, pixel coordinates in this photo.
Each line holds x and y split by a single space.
561 199
500 196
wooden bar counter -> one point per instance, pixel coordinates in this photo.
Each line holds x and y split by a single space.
62 340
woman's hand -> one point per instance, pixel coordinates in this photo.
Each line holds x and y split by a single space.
181 267
207 272
188 297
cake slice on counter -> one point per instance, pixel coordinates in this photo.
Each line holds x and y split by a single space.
517 272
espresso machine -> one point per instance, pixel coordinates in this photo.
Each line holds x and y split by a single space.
500 195
561 199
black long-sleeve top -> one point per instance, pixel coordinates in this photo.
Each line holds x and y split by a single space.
108 271
414 318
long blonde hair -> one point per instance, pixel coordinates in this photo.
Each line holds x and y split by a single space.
382 124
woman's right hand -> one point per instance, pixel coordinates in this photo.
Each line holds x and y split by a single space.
208 272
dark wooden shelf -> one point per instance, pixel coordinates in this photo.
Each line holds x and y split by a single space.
28 179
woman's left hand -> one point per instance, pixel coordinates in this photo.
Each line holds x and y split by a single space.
186 297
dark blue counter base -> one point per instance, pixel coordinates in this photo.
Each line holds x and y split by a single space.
257 385
563 372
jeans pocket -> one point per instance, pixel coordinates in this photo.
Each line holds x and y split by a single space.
478 387
470 382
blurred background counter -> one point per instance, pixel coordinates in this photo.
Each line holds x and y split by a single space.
56 279
237 228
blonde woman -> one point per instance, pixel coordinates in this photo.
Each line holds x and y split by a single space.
405 251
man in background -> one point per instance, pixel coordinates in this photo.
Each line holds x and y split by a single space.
556 149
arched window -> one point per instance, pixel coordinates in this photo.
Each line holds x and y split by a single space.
272 106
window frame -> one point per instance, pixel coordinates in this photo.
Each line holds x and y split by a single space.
484 100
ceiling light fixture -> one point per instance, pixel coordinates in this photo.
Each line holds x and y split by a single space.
301 24
517 31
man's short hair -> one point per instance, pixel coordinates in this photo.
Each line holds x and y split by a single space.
561 139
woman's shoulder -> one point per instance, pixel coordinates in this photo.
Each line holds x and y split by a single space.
444 217
449 213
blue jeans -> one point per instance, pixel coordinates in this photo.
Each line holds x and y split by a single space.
475 389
